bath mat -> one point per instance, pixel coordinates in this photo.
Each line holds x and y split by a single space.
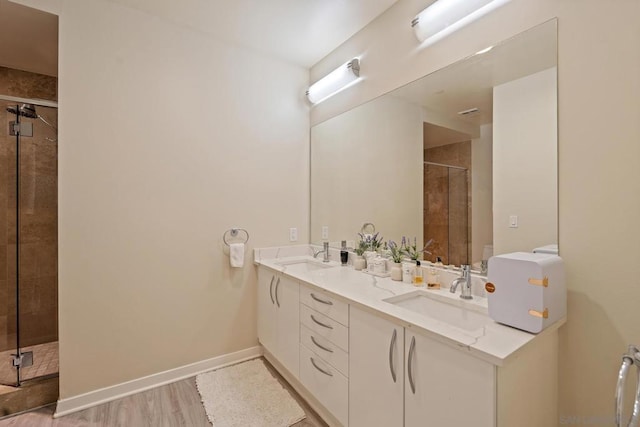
247 395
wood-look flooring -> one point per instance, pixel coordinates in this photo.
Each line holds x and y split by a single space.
173 405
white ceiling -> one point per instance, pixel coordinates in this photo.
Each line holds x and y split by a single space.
297 31
301 32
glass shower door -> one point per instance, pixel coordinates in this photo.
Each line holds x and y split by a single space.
446 212
38 284
28 243
9 256
459 233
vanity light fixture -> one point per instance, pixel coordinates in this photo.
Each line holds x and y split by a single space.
483 51
444 17
469 111
334 82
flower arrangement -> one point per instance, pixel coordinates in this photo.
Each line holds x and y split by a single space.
361 248
369 242
412 251
396 252
373 241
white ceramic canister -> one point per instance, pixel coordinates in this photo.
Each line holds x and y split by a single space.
396 271
379 265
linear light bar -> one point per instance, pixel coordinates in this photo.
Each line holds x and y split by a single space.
334 82
447 16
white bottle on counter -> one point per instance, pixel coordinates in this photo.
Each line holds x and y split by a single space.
407 272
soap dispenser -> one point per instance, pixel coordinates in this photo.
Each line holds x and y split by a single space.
417 275
344 254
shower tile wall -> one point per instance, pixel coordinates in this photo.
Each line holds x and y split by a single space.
450 228
38 228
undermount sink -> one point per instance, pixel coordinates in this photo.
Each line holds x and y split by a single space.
306 264
444 311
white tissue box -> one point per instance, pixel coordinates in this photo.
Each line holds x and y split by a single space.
526 290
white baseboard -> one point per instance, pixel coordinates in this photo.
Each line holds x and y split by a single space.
97 397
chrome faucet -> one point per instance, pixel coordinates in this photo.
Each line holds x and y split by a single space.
465 279
325 251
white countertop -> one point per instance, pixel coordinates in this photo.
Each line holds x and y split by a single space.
493 342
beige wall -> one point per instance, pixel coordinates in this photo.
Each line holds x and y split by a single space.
367 167
481 192
599 190
167 139
525 159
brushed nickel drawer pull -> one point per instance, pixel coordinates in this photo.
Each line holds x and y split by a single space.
412 348
321 300
324 325
271 289
392 345
320 345
313 362
276 292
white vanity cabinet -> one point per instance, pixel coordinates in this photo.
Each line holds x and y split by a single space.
376 371
361 364
278 318
445 386
442 385
324 350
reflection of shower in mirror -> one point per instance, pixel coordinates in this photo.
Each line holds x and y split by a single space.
29 111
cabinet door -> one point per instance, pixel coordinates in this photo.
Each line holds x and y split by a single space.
450 388
375 357
266 309
287 297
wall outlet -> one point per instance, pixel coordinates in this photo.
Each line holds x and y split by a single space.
325 232
513 221
293 234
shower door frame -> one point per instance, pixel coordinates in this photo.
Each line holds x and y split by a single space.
40 103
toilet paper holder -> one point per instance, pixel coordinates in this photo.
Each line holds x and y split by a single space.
234 233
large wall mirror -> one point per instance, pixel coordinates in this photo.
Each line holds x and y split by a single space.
464 158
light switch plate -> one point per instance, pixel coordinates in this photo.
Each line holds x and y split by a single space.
513 221
293 234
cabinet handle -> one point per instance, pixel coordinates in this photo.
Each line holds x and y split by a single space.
412 348
391 347
320 345
321 300
324 325
276 292
271 289
313 362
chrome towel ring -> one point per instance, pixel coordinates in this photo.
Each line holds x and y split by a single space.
234 233
632 357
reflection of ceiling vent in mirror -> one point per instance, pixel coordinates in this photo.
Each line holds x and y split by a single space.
468 112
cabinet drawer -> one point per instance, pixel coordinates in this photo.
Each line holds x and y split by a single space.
328 351
325 327
325 304
330 387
